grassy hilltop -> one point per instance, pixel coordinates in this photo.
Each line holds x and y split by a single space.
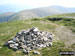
62 28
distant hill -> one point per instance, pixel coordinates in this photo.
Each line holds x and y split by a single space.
37 12
6 16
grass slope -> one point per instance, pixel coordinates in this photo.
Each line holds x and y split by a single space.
9 29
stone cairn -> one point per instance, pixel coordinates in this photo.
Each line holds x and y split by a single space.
30 39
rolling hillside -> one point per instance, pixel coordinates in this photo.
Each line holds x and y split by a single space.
37 12
41 12
63 30
6 16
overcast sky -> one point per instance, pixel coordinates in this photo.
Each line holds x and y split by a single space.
29 4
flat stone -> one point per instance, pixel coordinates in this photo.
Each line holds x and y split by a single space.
11 45
24 46
16 44
35 29
36 52
15 48
11 41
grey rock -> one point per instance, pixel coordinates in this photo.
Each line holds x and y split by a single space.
16 44
11 45
25 51
35 29
36 52
11 41
15 48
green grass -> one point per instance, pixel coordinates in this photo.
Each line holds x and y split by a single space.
55 49
61 20
9 29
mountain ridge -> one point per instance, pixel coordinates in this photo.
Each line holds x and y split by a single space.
37 12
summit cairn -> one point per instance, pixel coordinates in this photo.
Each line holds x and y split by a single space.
30 39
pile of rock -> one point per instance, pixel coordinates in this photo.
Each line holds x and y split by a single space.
30 39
